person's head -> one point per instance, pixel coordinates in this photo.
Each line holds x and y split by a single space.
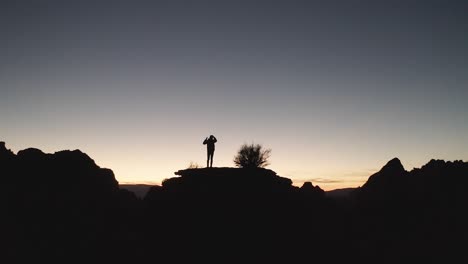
211 136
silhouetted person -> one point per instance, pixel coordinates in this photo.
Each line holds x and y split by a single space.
210 144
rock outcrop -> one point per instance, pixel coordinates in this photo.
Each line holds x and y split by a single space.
61 206
228 180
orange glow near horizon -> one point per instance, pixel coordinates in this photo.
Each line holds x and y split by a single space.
148 164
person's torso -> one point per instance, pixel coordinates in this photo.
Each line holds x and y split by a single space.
211 144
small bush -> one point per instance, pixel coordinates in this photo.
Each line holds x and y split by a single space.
193 165
252 156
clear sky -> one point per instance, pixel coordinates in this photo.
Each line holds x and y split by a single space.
334 88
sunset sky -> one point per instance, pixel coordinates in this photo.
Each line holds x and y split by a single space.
334 88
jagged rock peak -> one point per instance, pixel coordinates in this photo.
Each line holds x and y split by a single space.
3 147
307 186
434 163
393 165
4 151
392 171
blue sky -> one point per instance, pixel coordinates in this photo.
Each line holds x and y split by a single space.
334 88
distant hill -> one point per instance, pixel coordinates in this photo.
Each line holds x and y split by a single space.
339 193
139 190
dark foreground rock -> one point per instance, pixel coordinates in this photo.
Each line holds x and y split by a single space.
62 207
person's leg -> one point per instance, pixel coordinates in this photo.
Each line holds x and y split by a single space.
207 159
212 154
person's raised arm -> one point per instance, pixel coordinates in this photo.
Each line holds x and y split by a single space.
214 139
205 141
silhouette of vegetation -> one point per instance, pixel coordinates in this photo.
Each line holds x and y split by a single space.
252 156
193 165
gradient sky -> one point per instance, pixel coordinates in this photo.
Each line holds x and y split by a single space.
334 88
